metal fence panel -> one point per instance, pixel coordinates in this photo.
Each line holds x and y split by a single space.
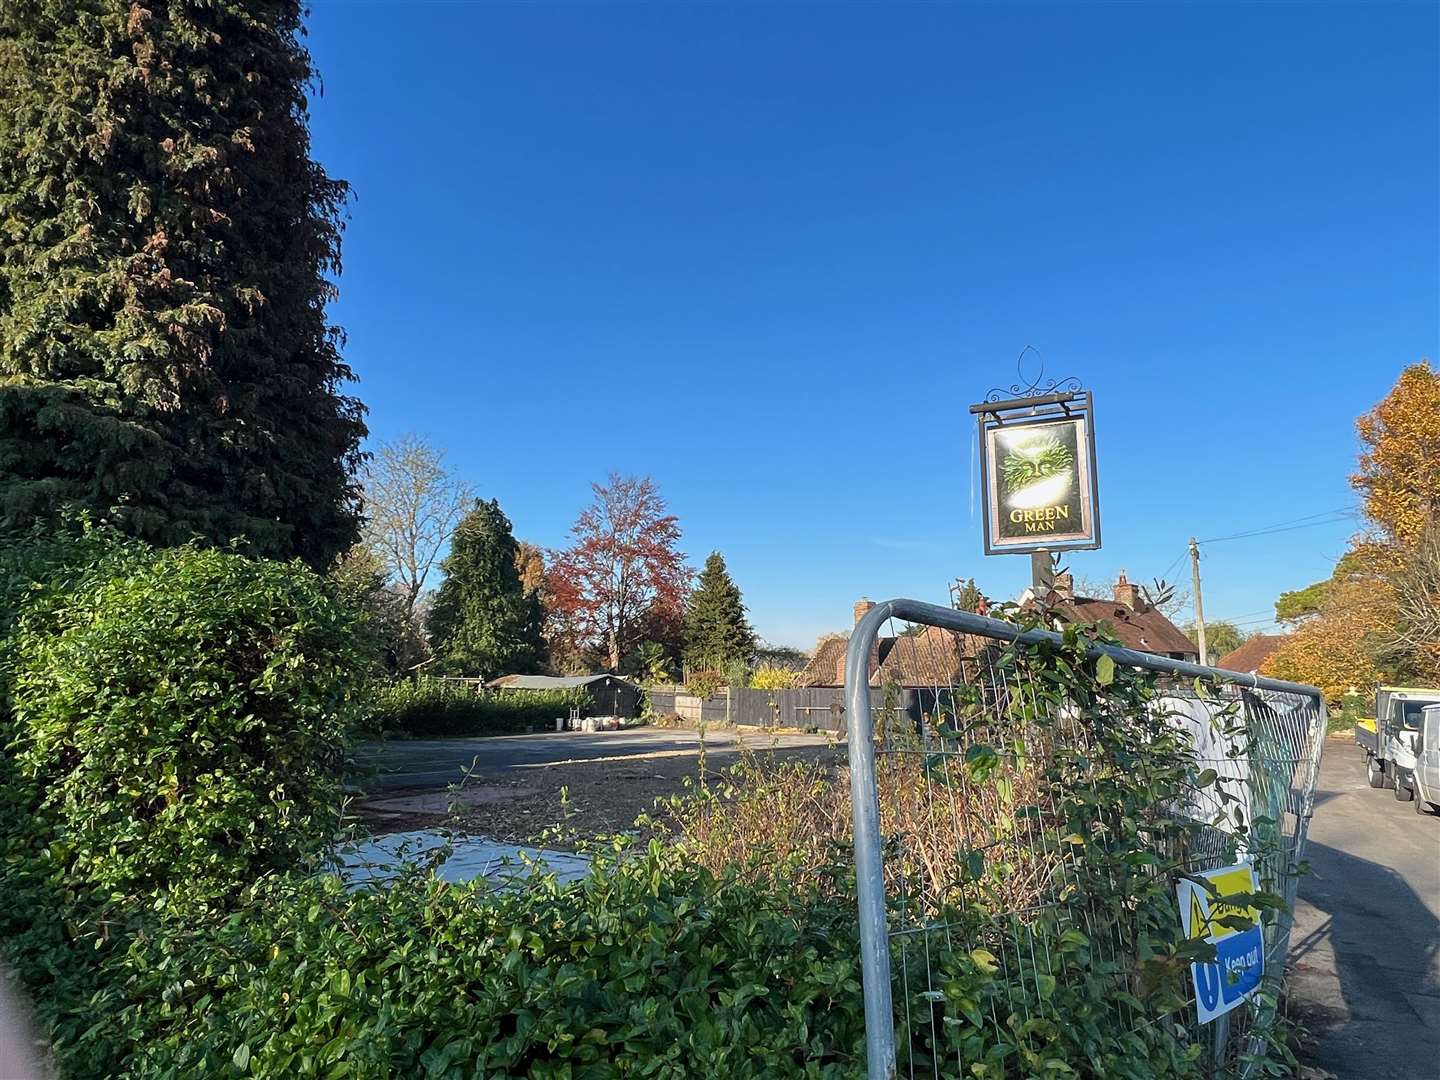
1273 766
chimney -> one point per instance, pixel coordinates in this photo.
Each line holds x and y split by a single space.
1064 587
862 608
1127 593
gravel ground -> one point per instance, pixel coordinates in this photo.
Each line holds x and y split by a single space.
579 798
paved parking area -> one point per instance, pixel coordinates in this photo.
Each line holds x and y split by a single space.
1365 953
437 763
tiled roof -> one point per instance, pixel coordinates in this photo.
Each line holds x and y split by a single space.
933 657
1144 631
1255 651
827 666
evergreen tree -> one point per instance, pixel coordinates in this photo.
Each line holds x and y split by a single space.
716 633
483 622
166 249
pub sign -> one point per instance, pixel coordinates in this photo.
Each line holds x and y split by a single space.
1037 466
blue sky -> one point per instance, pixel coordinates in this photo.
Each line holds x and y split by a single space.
769 254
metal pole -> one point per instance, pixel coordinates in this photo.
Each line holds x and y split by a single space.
869 864
1042 574
1199 604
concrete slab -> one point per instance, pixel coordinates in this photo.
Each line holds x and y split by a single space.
469 857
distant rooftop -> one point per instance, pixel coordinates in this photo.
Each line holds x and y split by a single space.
547 682
1254 652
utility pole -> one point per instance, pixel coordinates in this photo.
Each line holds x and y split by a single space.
1042 574
1199 604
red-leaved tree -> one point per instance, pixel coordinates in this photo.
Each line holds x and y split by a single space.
622 565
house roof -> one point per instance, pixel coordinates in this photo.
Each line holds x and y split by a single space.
1254 652
827 666
547 682
932 657
1146 630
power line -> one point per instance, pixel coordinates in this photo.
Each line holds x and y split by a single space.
1325 517
1166 575
1242 615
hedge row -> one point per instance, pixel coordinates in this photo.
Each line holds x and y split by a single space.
435 708
174 726
646 968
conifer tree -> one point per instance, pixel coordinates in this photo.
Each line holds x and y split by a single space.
166 253
716 632
483 623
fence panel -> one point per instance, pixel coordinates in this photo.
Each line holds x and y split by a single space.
662 700
974 851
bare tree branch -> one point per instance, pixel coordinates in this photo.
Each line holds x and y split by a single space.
412 505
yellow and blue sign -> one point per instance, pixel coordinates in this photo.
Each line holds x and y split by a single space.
1239 954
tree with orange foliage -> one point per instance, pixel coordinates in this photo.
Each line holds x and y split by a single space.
1378 616
1399 470
1336 649
622 569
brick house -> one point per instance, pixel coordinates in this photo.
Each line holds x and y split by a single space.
1131 618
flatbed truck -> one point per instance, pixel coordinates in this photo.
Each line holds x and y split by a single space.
1401 745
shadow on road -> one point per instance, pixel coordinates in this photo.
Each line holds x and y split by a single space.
1365 959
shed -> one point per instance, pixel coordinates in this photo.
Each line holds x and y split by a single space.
610 694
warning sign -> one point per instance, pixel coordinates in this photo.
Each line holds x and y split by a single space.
1239 953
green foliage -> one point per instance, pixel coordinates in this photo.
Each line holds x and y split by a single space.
705 684
173 724
1047 844
781 656
430 707
167 256
483 623
1220 637
181 715
392 637
649 663
965 595
647 967
1298 604
717 634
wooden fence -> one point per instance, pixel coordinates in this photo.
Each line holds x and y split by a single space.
811 708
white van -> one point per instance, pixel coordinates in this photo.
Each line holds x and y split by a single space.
1425 779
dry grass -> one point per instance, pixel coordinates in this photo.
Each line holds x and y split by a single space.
955 839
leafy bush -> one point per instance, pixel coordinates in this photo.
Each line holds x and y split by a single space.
705 684
770 677
435 708
184 719
174 724
647 967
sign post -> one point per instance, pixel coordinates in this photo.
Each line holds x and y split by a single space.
1037 472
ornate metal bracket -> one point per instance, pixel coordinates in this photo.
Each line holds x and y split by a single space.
1025 387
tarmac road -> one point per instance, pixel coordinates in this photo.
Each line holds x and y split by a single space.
434 764
1365 953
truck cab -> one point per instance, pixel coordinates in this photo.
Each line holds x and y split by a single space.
1425 780
1394 743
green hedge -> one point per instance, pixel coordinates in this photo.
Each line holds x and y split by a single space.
174 725
646 968
430 707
